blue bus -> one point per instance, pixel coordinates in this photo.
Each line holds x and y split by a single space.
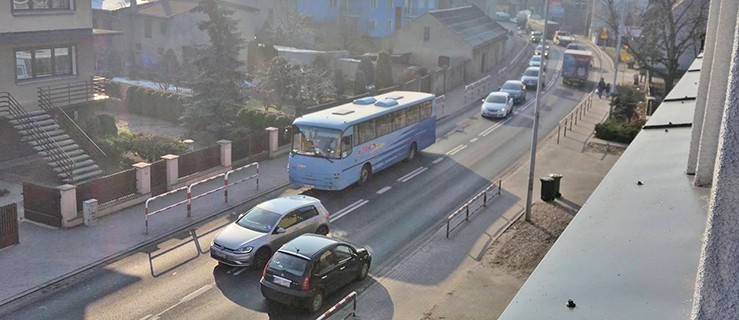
337 147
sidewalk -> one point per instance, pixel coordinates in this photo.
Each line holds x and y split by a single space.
422 286
46 255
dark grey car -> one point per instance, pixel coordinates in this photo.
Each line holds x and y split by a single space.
516 89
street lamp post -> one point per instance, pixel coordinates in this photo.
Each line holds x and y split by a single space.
535 131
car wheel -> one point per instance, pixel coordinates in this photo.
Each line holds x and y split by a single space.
316 302
261 258
364 174
363 271
412 152
322 230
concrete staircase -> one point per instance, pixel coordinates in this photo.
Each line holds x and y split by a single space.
43 133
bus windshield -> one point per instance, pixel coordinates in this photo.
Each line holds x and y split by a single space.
317 142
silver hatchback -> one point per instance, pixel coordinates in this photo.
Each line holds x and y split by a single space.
256 234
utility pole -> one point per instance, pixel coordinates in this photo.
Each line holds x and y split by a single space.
618 48
535 134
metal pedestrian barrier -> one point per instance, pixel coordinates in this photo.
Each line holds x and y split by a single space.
189 197
575 115
472 206
352 297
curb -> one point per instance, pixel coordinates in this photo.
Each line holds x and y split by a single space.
127 252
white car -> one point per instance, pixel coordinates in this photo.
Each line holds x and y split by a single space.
497 105
536 61
530 77
257 234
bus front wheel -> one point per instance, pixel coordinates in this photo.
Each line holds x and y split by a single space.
364 175
412 152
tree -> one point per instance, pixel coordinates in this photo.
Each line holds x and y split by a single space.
368 68
383 71
625 102
216 95
274 82
309 85
670 28
360 86
339 82
610 11
290 28
168 74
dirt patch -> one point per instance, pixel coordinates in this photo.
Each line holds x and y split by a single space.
520 248
605 148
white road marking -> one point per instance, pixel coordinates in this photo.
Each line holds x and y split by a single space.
348 209
473 140
239 272
455 150
148 316
184 299
383 190
438 160
417 172
407 175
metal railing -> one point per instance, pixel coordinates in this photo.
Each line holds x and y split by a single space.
575 115
52 149
189 197
351 297
74 91
472 206
63 118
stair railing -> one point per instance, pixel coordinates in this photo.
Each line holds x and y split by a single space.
43 140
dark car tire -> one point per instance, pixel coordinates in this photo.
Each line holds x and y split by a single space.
412 153
316 302
363 271
322 230
364 174
261 258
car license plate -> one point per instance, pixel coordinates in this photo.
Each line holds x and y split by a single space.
281 281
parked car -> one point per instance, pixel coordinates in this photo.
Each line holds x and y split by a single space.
536 36
563 38
535 61
530 77
497 105
503 16
256 234
516 89
538 51
310 267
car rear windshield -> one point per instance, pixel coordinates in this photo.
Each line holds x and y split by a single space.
258 219
495 99
535 59
531 73
284 262
511 86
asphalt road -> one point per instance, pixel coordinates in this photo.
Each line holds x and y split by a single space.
176 279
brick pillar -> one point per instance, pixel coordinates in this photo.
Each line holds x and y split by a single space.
68 203
225 152
272 140
143 177
172 169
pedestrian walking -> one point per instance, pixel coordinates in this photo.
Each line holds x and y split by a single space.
601 86
636 80
608 90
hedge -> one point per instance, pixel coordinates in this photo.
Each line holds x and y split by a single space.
154 103
618 130
112 89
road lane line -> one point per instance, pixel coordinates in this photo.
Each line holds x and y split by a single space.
239 272
457 149
146 317
438 160
348 209
186 298
415 174
473 140
412 172
383 190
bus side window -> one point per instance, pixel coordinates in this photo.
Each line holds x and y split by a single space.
346 146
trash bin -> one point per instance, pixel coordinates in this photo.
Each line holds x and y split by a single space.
547 189
557 177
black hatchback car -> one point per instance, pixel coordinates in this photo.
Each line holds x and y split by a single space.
303 271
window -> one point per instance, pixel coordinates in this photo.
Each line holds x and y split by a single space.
412 114
389 24
408 7
307 213
333 3
342 253
160 51
326 262
372 24
422 5
426 109
346 146
289 220
384 125
108 24
364 132
94 23
432 4
44 62
399 119
42 5
163 27
373 4
390 4
138 47
147 28
426 33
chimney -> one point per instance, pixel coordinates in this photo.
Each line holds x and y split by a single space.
134 6
167 8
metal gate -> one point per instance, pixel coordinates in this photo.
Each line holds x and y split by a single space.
8 225
158 177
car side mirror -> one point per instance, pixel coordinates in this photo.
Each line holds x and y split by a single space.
280 230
